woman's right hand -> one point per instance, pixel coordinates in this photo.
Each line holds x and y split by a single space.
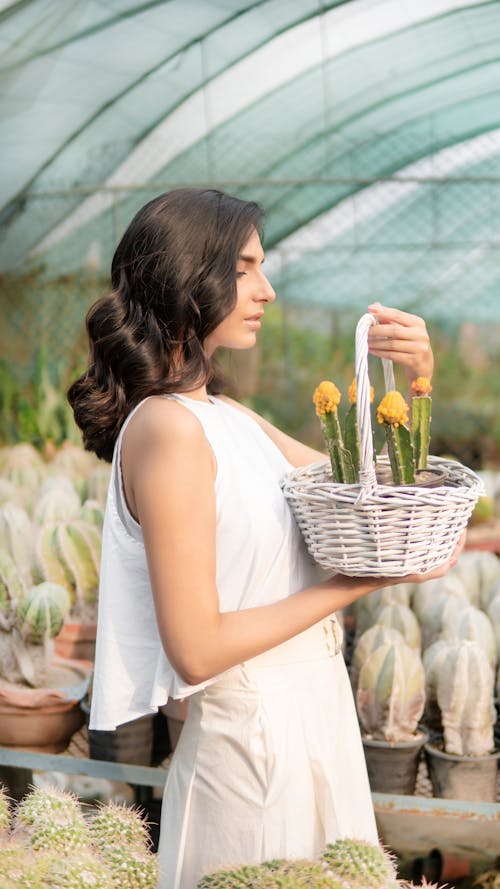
440 571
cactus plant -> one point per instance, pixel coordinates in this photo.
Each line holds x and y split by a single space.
400 617
4 811
16 537
326 399
56 500
28 622
365 609
68 553
390 696
392 413
473 624
121 837
98 483
368 642
92 512
421 403
480 573
361 864
464 692
493 613
51 819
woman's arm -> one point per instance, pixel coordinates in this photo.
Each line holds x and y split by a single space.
168 471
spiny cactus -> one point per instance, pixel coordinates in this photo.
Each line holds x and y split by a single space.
51 819
11 590
435 604
92 513
68 553
98 483
275 875
366 644
392 413
421 404
465 698
480 573
82 869
390 696
361 864
16 537
122 840
4 811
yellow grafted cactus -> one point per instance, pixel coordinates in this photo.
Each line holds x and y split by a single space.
326 398
421 386
393 409
352 392
392 412
421 404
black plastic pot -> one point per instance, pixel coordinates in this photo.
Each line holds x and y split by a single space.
392 768
470 778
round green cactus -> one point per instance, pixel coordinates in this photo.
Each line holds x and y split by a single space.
82 869
41 611
121 837
51 819
275 875
361 864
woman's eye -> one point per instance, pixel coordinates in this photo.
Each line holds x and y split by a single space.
240 274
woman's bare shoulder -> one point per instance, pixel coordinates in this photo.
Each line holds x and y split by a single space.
162 422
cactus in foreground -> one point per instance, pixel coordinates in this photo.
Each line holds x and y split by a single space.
51 819
421 404
464 692
121 837
274 875
326 399
390 696
361 864
392 413
351 429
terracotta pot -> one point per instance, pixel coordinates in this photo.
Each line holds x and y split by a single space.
392 768
76 641
44 719
471 778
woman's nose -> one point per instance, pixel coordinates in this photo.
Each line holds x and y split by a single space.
267 291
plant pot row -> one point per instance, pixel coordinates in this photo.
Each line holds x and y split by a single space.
393 768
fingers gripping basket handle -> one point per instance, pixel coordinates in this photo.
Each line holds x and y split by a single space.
367 478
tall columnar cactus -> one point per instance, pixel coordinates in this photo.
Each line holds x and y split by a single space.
443 609
390 697
365 609
472 624
392 413
433 659
68 553
421 404
11 590
361 864
351 429
366 644
464 695
326 399
480 574
400 617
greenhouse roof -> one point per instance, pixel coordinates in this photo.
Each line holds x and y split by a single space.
369 130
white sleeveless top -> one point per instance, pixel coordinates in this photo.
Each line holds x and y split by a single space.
260 559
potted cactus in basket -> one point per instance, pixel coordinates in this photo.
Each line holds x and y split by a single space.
459 683
39 693
390 700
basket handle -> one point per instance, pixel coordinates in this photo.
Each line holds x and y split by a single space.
367 477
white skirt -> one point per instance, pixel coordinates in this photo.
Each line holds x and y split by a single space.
269 764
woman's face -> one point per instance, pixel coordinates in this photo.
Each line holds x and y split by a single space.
253 291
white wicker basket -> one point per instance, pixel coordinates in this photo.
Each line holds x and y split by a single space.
371 529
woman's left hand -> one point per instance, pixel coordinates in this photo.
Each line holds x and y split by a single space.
401 338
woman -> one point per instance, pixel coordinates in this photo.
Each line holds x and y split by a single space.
207 591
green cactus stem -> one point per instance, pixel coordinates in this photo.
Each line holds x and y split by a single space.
41 611
421 428
351 437
341 460
51 819
392 412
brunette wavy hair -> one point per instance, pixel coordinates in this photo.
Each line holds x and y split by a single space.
173 280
